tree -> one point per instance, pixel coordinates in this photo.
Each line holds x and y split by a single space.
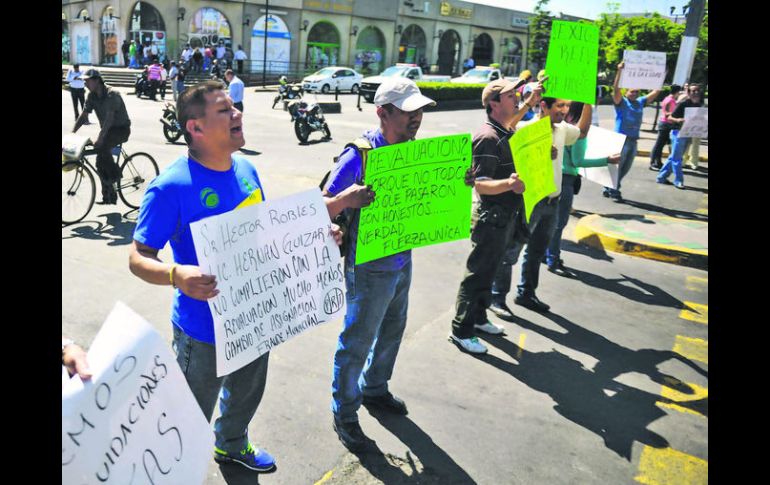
540 34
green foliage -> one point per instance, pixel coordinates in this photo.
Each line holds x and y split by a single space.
540 34
450 91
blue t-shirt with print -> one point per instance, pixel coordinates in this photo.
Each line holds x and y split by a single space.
628 116
186 192
345 174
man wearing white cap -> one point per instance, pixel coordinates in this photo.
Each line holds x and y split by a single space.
377 291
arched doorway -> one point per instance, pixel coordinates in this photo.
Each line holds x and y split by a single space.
108 27
208 26
449 53
81 36
511 59
370 51
278 45
412 47
323 46
147 29
483 50
65 40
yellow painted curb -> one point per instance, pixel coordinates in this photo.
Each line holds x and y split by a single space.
587 232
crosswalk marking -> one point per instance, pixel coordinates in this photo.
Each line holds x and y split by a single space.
698 393
692 348
696 283
659 466
695 312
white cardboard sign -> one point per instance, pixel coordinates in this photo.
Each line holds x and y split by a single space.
279 273
136 421
696 123
603 143
643 69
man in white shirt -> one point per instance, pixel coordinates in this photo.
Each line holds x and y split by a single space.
172 75
240 56
77 89
186 55
542 222
220 51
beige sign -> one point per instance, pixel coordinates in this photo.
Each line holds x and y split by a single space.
448 10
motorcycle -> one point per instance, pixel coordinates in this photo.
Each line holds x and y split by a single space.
287 93
172 130
142 85
308 118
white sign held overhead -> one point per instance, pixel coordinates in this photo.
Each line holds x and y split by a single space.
136 421
643 70
279 273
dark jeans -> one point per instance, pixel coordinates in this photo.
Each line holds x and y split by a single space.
489 237
664 129
108 170
240 67
154 85
78 96
542 224
239 106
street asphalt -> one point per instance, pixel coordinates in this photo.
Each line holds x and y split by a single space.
611 386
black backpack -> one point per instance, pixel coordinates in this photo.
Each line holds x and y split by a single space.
346 217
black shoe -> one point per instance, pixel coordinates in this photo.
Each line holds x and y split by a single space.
606 192
559 269
655 167
531 302
501 310
387 402
350 434
104 201
616 197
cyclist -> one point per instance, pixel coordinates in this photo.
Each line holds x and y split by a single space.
115 129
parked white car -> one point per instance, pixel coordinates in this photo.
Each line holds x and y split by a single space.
479 75
329 78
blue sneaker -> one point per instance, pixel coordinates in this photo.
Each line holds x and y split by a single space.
252 458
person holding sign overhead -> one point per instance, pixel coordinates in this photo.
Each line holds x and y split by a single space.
377 291
628 120
542 222
499 189
206 181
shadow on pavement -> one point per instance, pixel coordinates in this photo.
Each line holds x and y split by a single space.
434 466
619 414
117 229
315 142
246 151
669 212
591 252
238 475
643 293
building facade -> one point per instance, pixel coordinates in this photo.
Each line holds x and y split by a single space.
303 35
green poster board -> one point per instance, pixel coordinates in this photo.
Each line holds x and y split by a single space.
531 148
421 196
572 60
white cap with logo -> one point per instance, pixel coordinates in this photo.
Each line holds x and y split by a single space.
402 93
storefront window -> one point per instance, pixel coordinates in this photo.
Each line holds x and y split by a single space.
411 47
449 53
370 51
147 29
483 50
65 40
323 46
109 31
278 45
511 59
209 26
81 36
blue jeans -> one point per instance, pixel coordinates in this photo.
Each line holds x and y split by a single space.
368 345
674 161
542 224
562 213
242 390
627 155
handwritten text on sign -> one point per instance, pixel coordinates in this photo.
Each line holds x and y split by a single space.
421 197
696 123
278 271
643 70
572 60
531 149
136 421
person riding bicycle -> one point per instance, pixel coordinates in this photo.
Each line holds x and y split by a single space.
115 129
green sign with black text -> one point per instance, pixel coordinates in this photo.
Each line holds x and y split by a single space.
531 149
421 196
573 54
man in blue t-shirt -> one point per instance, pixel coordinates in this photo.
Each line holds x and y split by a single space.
377 291
207 181
628 120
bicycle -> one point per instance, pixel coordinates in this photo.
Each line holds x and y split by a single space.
79 185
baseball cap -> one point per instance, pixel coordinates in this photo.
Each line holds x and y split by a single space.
91 73
402 93
499 86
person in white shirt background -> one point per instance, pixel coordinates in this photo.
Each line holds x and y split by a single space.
77 89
